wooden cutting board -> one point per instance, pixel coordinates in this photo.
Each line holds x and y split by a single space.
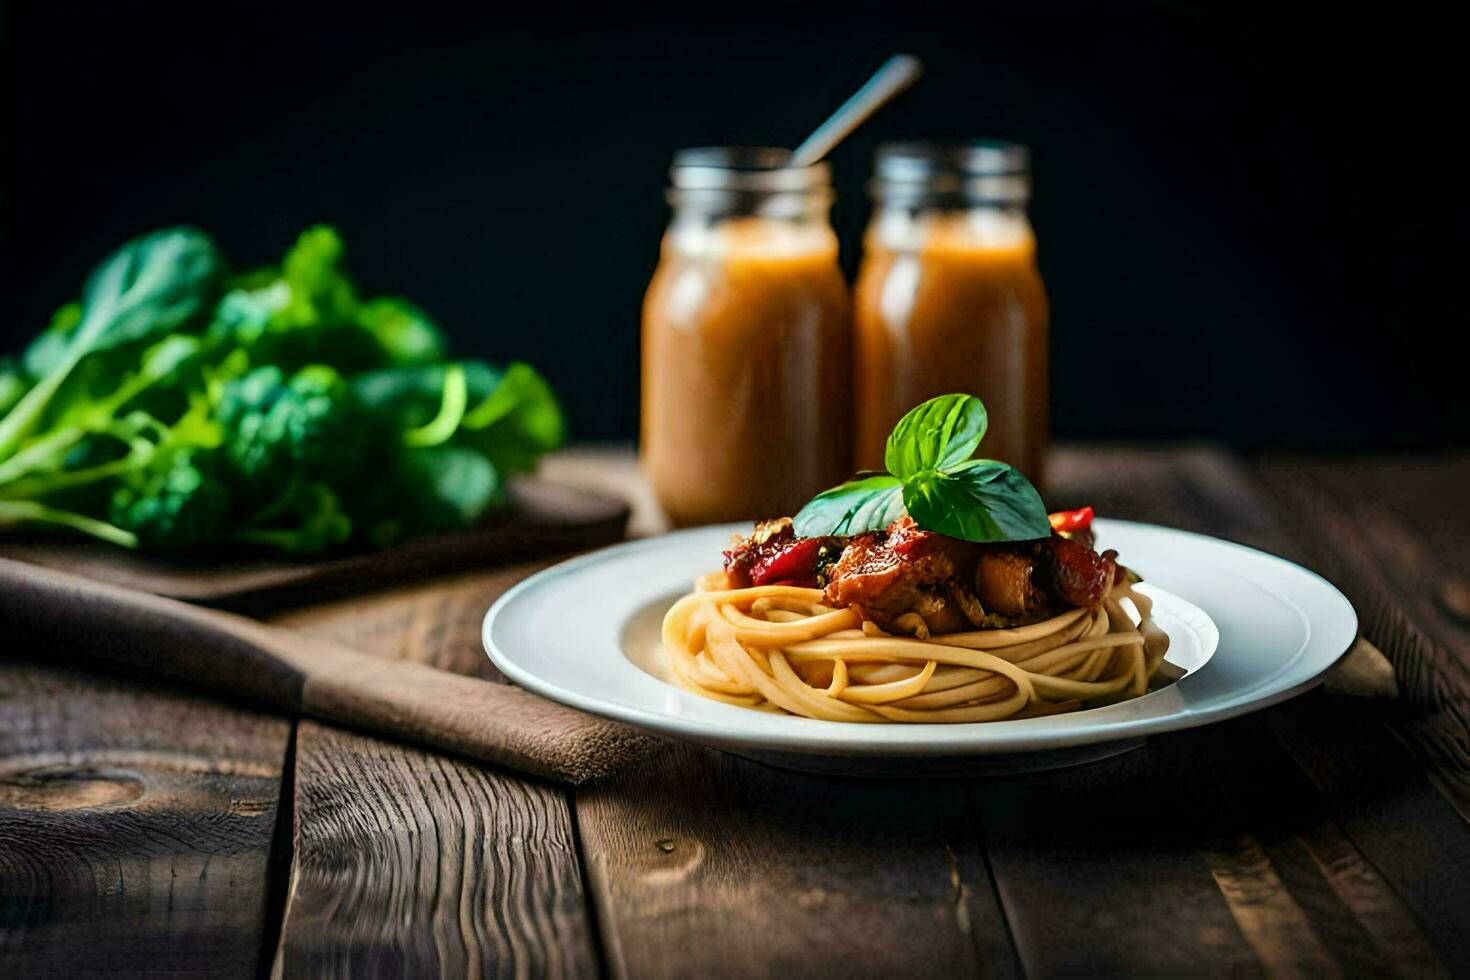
545 518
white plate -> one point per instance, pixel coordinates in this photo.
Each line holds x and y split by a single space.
1247 628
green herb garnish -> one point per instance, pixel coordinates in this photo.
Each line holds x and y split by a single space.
932 477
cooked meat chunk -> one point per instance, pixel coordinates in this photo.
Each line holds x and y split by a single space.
1074 573
940 612
1024 579
951 584
1005 582
872 575
902 569
967 603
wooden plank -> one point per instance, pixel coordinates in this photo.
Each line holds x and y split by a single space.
1220 849
1378 800
409 863
707 865
1116 858
1204 851
1368 926
135 826
414 864
1391 535
683 888
1386 805
1125 858
704 864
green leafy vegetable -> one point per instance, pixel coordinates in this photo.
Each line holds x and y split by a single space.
174 408
13 384
148 288
314 270
403 331
442 426
517 420
933 478
276 428
305 519
175 506
434 489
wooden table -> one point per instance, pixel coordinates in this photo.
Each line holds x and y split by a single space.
145 828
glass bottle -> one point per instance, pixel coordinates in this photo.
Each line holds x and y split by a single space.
746 341
949 298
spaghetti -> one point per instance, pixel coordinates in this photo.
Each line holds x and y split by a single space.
784 648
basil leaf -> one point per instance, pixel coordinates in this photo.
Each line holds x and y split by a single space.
868 504
982 500
941 433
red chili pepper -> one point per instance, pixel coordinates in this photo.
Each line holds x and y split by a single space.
1069 521
796 563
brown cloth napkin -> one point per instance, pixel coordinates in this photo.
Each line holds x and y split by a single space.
241 658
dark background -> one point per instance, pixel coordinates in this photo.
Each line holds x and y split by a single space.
1251 220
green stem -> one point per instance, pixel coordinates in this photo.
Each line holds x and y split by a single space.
42 452
27 512
497 404
40 486
451 411
22 418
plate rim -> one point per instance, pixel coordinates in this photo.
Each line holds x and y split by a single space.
840 742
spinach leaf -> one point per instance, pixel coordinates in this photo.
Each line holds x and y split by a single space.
178 407
49 347
13 384
148 288
940 433
405 333
321 292
406 397
441 488
517 422
858 505
981 500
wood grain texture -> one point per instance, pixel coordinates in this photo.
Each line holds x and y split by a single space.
1206 851
135 827
1102 868
702 864
1389 808
413 864
1325 836
1395 539
1395 842
1191 855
